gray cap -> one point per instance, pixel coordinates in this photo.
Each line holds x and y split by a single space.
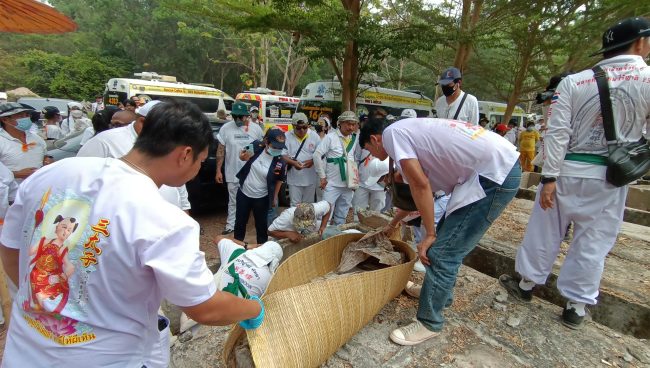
348 116
299 117
12 108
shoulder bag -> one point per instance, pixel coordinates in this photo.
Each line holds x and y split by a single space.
627 161
401 192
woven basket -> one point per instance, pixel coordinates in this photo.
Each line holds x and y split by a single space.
306 322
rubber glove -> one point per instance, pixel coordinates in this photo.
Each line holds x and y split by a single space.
253 323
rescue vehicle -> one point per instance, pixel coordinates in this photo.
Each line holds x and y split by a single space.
275 107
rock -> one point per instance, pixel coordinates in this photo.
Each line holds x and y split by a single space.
627 357
499 307
185 337
502 296
513 321
640 355
470 278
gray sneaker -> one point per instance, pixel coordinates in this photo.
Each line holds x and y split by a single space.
572 320
512 286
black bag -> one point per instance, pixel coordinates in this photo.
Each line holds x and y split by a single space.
401 192
628 161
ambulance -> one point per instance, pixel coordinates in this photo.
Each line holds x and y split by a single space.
152 86
275 108
325 97
495 111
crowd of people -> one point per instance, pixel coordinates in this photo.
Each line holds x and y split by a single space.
93 244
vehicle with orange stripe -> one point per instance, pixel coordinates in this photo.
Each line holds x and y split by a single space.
275 108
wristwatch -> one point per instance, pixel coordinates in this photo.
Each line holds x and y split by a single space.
548 179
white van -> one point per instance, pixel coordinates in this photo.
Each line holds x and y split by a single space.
275 108
325 97
153 86
495 111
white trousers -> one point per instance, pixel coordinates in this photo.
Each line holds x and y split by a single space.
232 205
364 198
596 209
341 200
301 194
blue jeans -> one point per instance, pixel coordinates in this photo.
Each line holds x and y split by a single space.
458 234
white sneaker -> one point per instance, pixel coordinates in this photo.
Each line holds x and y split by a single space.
412 334
413 289
419 267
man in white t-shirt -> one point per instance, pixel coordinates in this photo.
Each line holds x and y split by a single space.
481 171
51 127
455 104
301 175
304 219
330 160
21 151
370 194
245 272
76 121
93 258
118 141
233 137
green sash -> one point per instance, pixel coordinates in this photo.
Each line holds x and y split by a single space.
236 285
587 158
341 161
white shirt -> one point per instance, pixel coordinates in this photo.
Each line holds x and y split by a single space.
8 188
452 155
13 156
86 135
255 185
468 112
236 139
53 131
575 125
512 135
254 279
371 169
122 259
71 125
304 177
331 147
116 143
284 222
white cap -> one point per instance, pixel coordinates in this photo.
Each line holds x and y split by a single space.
299 116
409 113
75 104
144 110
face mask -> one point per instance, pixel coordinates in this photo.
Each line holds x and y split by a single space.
239 122
254 115
530 129
23 124
275 152
77 114
448 90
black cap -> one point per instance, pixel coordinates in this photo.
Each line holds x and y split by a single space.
624 33
50 111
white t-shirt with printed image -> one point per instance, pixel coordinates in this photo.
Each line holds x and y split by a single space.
235 139
95 264
253 278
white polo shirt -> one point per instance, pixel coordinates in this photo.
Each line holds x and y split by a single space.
331 146
304 177
452 155
371 169
254 279
284 222
116 143
17 156
120 259
236 139
468 112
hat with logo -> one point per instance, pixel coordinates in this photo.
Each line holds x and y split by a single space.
12 108
50 111
624 33
299 118
276 138
144 110
348 116
239 109
449 75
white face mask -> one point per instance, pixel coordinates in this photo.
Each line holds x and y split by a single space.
77 114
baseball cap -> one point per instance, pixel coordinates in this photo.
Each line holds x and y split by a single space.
50 111
409 113
304 217
254 108
449 75
144 110
348 116
624 33
299 117
12 108
276 138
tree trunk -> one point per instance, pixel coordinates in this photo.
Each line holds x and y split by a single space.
350 75
286 68
525 57
470 16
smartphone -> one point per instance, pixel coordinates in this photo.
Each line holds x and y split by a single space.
250 149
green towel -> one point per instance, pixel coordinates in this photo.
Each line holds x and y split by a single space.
341 161
587 158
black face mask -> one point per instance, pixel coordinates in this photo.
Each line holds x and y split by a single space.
448 90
